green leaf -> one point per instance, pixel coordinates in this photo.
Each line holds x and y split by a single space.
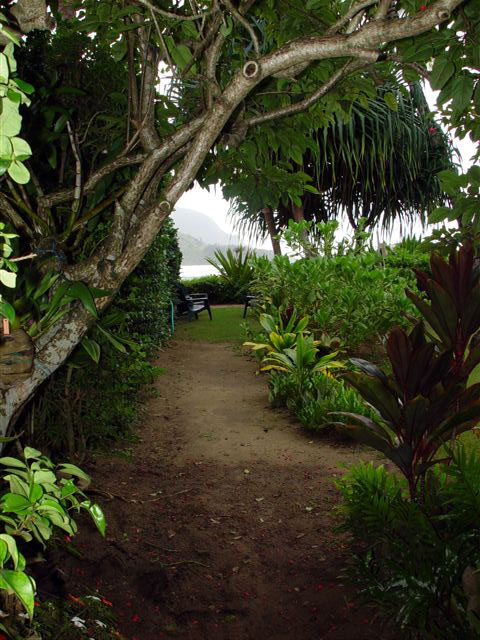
44 476
116 343
119 50
3 552
14 503
8 278
391 101
19 172
22 586
10 119
97 516
439 215
17 485
462 92
73 470
13 462
6 148
61 123
24 86
30 452
36 492
4 68
12 547
92 348
21 148
7 311
80 291
441 73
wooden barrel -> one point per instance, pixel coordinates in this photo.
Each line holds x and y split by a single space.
16 357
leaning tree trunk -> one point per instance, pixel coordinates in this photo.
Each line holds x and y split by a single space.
272 232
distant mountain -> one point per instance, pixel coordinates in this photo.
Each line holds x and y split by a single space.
199 237
195 251
200 226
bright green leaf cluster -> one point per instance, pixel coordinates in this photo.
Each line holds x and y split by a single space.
40 500
13 93
464 192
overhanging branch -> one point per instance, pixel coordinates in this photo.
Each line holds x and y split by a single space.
311 99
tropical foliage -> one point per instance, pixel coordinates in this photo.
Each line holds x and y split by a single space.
114 148
234 268
376 161
418 562
74 413
426 401
355 298
39 501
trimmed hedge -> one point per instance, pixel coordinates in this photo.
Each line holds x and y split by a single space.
219 292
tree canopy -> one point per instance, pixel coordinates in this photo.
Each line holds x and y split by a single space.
379 163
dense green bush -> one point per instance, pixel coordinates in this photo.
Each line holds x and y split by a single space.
86 405
317 399
219 291
418 560
147 293
355 297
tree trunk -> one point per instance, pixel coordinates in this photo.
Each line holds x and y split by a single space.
298 214
272 232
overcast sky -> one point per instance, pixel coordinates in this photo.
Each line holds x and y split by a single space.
212 203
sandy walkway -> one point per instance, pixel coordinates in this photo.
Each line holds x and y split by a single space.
227 530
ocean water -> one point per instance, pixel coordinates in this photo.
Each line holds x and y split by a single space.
189 271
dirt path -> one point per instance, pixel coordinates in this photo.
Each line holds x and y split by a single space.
227 530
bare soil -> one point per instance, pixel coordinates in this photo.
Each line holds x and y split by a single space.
221 525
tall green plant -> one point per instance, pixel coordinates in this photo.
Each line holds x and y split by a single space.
426 401
418 562
40 500
234 267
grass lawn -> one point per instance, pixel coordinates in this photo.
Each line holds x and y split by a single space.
225 326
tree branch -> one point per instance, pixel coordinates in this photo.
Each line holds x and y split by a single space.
65 195
245 23
351 13
178 16
15 218
311 99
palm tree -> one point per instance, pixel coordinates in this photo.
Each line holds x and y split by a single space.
380 165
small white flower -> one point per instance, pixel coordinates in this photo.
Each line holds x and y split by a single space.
101 624
78 622
92 598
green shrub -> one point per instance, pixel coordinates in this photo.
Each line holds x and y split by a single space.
219 291
432 393
316 400
418 561
146 294
88 405
356 298
235 268
39 501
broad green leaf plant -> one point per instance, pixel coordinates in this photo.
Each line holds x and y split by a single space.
41 500
13 93
463 189
281 335
427 400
